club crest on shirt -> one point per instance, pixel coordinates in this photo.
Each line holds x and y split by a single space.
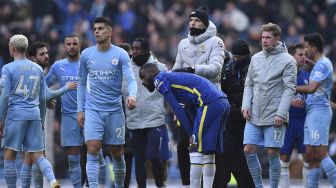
202 48
114 61
157 83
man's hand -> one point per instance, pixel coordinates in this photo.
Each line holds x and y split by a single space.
80 119
186 69
247 113
1 130
192 143
298 103
278 122
131 102
51 104
71 85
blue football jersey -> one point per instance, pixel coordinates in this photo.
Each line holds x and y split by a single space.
100 79
301 80
321 73
186 88
64 71
23 87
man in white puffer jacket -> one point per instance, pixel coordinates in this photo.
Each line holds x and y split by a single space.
202 53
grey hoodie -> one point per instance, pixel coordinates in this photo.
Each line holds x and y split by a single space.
149 110
270 85
204 52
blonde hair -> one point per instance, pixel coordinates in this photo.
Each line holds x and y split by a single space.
20 42
271 27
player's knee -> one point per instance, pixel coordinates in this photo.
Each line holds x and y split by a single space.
250 149
93 148
196 158
209 159
116 151
272 152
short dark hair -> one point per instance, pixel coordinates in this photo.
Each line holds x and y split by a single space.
104 20
32 49
144 43
71 36
292 48
147 67
315 40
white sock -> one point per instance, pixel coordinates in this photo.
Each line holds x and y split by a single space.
284 176
196 168
305 170
209 170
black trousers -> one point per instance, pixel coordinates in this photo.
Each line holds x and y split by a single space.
233 159
146 146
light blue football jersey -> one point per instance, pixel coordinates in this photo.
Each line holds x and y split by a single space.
321 73
100 79
64 71
23 87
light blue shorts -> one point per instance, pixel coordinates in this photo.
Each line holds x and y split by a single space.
264 136
71 133
317 125
23 135
109 127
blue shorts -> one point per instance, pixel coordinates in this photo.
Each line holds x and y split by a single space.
109 127
23 135
165 149
264 136
317 125
71 133
294 136
208 130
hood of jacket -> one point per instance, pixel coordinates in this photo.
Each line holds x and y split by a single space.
280 48
209 32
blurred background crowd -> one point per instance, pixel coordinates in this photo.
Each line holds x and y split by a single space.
165 23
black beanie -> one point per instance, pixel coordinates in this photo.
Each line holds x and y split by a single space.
202 14
240 47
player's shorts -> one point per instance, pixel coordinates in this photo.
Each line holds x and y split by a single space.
264 136
71 133
109 127
165 149
23 135
317 125
208 128
294 136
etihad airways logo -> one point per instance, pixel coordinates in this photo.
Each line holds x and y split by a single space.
103 74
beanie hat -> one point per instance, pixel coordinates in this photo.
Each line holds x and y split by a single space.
240 47
202 14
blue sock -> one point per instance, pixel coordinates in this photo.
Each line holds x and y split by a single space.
313 177
37 176
119 169
255 169
92 170
102 167
10 173
330 169
46 168
75 170
274 170
25 175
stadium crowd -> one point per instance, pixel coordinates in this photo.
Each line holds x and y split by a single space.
165 24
